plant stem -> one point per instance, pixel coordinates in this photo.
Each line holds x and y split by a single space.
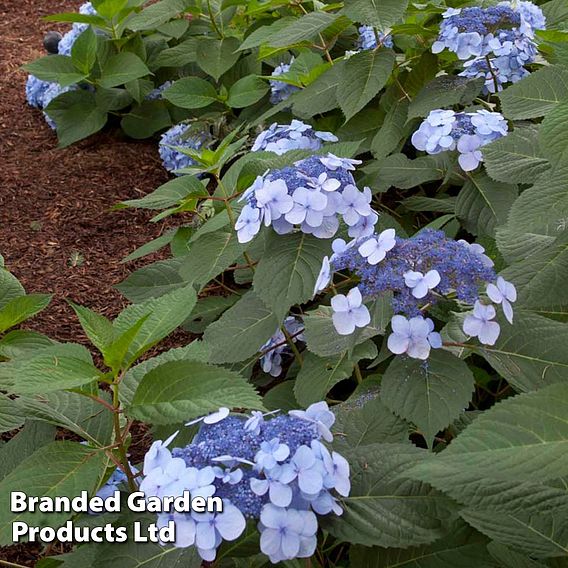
495 81
11 564
120 439
358 374
213 22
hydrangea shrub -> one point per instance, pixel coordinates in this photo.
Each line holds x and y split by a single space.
367 243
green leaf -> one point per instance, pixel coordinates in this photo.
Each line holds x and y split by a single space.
217 56
524 438
553 135
98 328
58 367
392 131
483 204
10 287
191 93
362 77
110 8
281 397
509 558
364 420
381 14
163 315
153 281
318 375
540 535
444 91
122 68
146 119
241 331
537 94
322 339
463 547
55 69
431 397
247 91
515 158
157 14
182 390
74 412
56 469
319 96
22 308
84 51
214 254
383 509
170 194
112 99
302 29
531 353
11 415
195 351
207 310
399 171
288 270
177 56
76 115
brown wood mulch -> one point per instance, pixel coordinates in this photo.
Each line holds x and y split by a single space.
57 232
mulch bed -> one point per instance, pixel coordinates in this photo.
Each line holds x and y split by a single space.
58 234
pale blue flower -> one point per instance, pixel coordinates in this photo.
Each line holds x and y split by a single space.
479 324
319 415
375 249
212 418
332 162
158 455
414 336
276 484
248 223
355 204
270 453
274 200
35 91
308 206
349 312
280 89
287 533
324 277
503 293
185 528
228 475
470 155
421 284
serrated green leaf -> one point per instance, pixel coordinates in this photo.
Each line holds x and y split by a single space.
22 308
217 56
247 91
182 390
381 14
302 29
157 14
191 93
122 68
55 69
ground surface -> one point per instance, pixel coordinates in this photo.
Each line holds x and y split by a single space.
55 204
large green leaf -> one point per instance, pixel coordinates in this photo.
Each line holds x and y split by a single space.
463 547
241 331
554 135
431 397
383 509
531 353
319 375
537 94
247 91
214 254
157 14
541 535
145 119
11 416
319 96
22 308
390 134
122 68
524 438
483 204
515 158
288 270
302 29
399 171
191 92
163 315
55 69
181 390
58 367
381 14
217 56
56 469
76 115
10 287
366 421
362 77
18 342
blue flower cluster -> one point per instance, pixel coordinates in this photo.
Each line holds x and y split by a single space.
69 39
40 93
446 130
274 470
281 90
158 93
312 194
281 138
276 346
181 136
368 38
496 42
417 271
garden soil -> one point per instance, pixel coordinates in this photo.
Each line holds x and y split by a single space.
58 234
